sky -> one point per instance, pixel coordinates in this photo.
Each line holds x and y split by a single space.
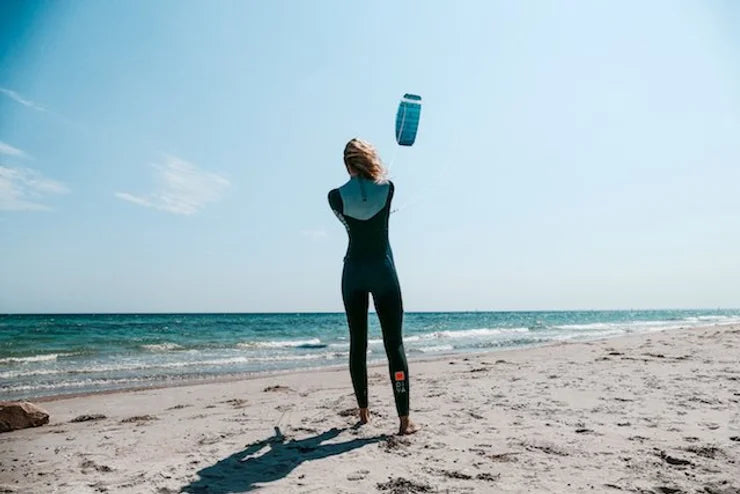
175 156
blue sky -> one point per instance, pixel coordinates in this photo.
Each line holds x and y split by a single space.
176 155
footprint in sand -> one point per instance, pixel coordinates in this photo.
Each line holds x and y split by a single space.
396 445
178 407
710 452
672 460
662 489
276 388
88 418
236 402
358 475
88 465
139 419
583 430
402 485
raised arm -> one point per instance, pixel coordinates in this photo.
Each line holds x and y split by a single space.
336 205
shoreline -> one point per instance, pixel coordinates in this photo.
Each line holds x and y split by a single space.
227 378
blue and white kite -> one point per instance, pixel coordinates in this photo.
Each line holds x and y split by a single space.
407 119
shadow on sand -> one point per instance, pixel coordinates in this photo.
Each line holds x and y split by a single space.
242 471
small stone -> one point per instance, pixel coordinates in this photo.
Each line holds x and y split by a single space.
16 415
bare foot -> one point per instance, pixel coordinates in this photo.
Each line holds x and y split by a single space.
364 415
408 427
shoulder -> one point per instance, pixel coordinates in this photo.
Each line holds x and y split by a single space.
333 195
335 199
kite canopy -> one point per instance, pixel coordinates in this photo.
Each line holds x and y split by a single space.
407 119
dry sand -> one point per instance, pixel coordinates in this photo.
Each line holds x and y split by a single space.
651 413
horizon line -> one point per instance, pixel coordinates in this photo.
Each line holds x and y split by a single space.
205 313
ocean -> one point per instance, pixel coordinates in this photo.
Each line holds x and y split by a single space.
44 355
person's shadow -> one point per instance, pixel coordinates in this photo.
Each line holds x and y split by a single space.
241 471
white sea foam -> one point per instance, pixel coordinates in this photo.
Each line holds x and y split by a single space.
472 333
279 343
655 325
628 326
595 325
313 356
34 358
72 384
162 347
713 319
28 373
476 333
107 383
589 334
143 366
436 348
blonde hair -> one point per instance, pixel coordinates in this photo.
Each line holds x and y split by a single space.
361 157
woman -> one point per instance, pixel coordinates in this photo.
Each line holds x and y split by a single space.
363 205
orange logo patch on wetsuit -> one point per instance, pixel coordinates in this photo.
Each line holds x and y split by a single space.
400 376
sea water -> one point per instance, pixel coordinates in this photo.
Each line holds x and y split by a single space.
61 354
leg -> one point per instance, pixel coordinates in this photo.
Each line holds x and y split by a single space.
389 307
355 307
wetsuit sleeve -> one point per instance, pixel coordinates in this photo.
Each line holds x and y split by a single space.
391 190
335 202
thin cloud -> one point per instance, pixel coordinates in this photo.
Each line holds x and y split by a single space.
20 99
22 189
9 150
136 200
182 188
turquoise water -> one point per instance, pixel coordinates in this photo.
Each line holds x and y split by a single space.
58 354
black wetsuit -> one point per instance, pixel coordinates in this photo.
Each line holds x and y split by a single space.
369 268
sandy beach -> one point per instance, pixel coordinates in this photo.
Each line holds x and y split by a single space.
648 413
